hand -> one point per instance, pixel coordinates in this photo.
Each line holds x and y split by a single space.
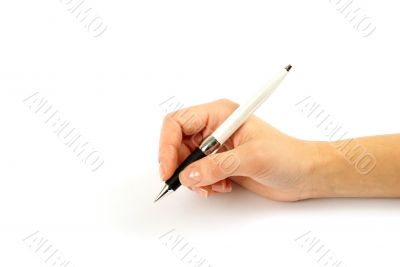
257 156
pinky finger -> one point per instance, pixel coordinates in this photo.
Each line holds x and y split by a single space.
223 186
203 192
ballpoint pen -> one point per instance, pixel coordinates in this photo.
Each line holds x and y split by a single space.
213 142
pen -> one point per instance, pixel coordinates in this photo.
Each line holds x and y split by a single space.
213 142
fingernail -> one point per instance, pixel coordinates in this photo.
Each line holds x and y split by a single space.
229 187
219 187
201 192
191 178
162 172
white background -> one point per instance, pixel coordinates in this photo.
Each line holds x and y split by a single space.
110 89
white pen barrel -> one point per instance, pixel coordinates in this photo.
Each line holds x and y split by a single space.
243 112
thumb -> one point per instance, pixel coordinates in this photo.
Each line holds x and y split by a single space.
216 167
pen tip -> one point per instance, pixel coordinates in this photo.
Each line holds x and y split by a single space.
164 191
288 67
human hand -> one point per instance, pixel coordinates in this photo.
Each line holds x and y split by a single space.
257 156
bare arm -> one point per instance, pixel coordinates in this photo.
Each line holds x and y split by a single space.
361 167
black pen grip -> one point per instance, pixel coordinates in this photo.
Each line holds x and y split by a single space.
173 182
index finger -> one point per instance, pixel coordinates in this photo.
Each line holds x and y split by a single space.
187 121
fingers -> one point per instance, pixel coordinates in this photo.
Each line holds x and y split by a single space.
214 168
169 144
203 192
178 127
173 129
223 186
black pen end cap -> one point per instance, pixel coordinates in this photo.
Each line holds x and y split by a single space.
288 67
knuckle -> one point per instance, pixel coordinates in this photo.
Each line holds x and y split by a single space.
225 162
257 152
226 102
230 163
169 117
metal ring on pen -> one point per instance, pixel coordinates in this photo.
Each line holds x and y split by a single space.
209 145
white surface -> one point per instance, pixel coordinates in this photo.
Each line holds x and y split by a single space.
110 88
247 108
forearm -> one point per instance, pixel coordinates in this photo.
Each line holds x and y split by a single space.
361 167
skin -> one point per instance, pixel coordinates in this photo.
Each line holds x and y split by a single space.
274 165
